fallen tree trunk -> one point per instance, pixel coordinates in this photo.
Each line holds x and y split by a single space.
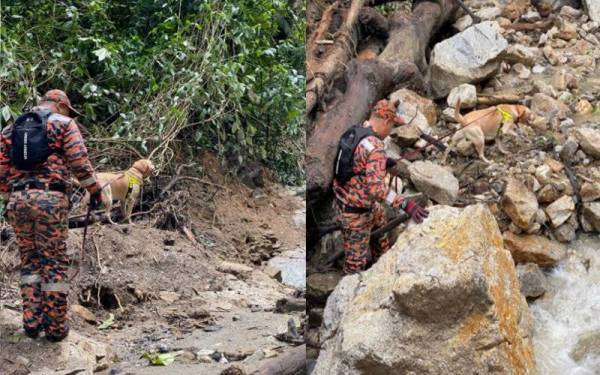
402 60
292 362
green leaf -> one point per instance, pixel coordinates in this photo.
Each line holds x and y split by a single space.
162 359
108 322
6 114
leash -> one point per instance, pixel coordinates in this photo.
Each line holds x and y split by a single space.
85 230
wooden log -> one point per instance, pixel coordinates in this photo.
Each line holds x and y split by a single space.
291 362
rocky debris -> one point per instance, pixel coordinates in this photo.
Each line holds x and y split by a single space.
168 296
435 181
545 106
233 370
560 210
567 232
569 148
591 212
590 191
532 280
407 135
534 249
589 141
468 57
514 9
584 107
519 53
543 173
554 58
445 290
593 9
588 344
320 285
467 94
519 203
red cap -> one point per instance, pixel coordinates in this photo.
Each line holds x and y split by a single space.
58 96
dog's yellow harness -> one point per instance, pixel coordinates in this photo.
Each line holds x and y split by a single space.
132 181
506 116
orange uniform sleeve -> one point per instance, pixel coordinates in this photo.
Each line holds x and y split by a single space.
76 156
4 162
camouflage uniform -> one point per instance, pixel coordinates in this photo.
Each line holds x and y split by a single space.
365 190
39 218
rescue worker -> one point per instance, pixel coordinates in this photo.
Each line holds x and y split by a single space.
38 205
360 195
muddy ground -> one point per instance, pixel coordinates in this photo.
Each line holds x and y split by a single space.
168 291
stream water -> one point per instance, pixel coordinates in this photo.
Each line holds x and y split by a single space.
567 317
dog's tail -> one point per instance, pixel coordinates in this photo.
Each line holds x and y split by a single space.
457 115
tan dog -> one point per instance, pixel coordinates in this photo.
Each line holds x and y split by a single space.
124 187
485 124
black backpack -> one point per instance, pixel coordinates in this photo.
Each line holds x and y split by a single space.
344 162
30 140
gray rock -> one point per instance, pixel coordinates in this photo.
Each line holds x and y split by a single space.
320 285
519 53
519 203
543 173
436 182
591 212
444 291
468 57
544 105
569 149
589 141
467 94
593 9
532 280
560 210
588 344
566 232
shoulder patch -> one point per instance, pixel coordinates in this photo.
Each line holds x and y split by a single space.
367 144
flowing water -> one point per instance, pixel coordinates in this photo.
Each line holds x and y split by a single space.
570 312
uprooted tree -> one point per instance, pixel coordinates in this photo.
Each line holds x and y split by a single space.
356 55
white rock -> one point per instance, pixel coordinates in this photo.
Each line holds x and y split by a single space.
467 94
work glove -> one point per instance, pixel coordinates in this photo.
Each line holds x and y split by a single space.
95 200
417 213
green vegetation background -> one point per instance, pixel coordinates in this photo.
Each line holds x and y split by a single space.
165 78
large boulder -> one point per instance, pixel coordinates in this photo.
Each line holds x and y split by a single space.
589 141
444 300
593 9
519 203
435 181
534 249
468 57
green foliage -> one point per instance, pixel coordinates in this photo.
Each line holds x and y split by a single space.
170 78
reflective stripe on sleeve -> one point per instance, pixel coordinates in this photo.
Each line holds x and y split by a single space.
31 279
391 196
55 287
